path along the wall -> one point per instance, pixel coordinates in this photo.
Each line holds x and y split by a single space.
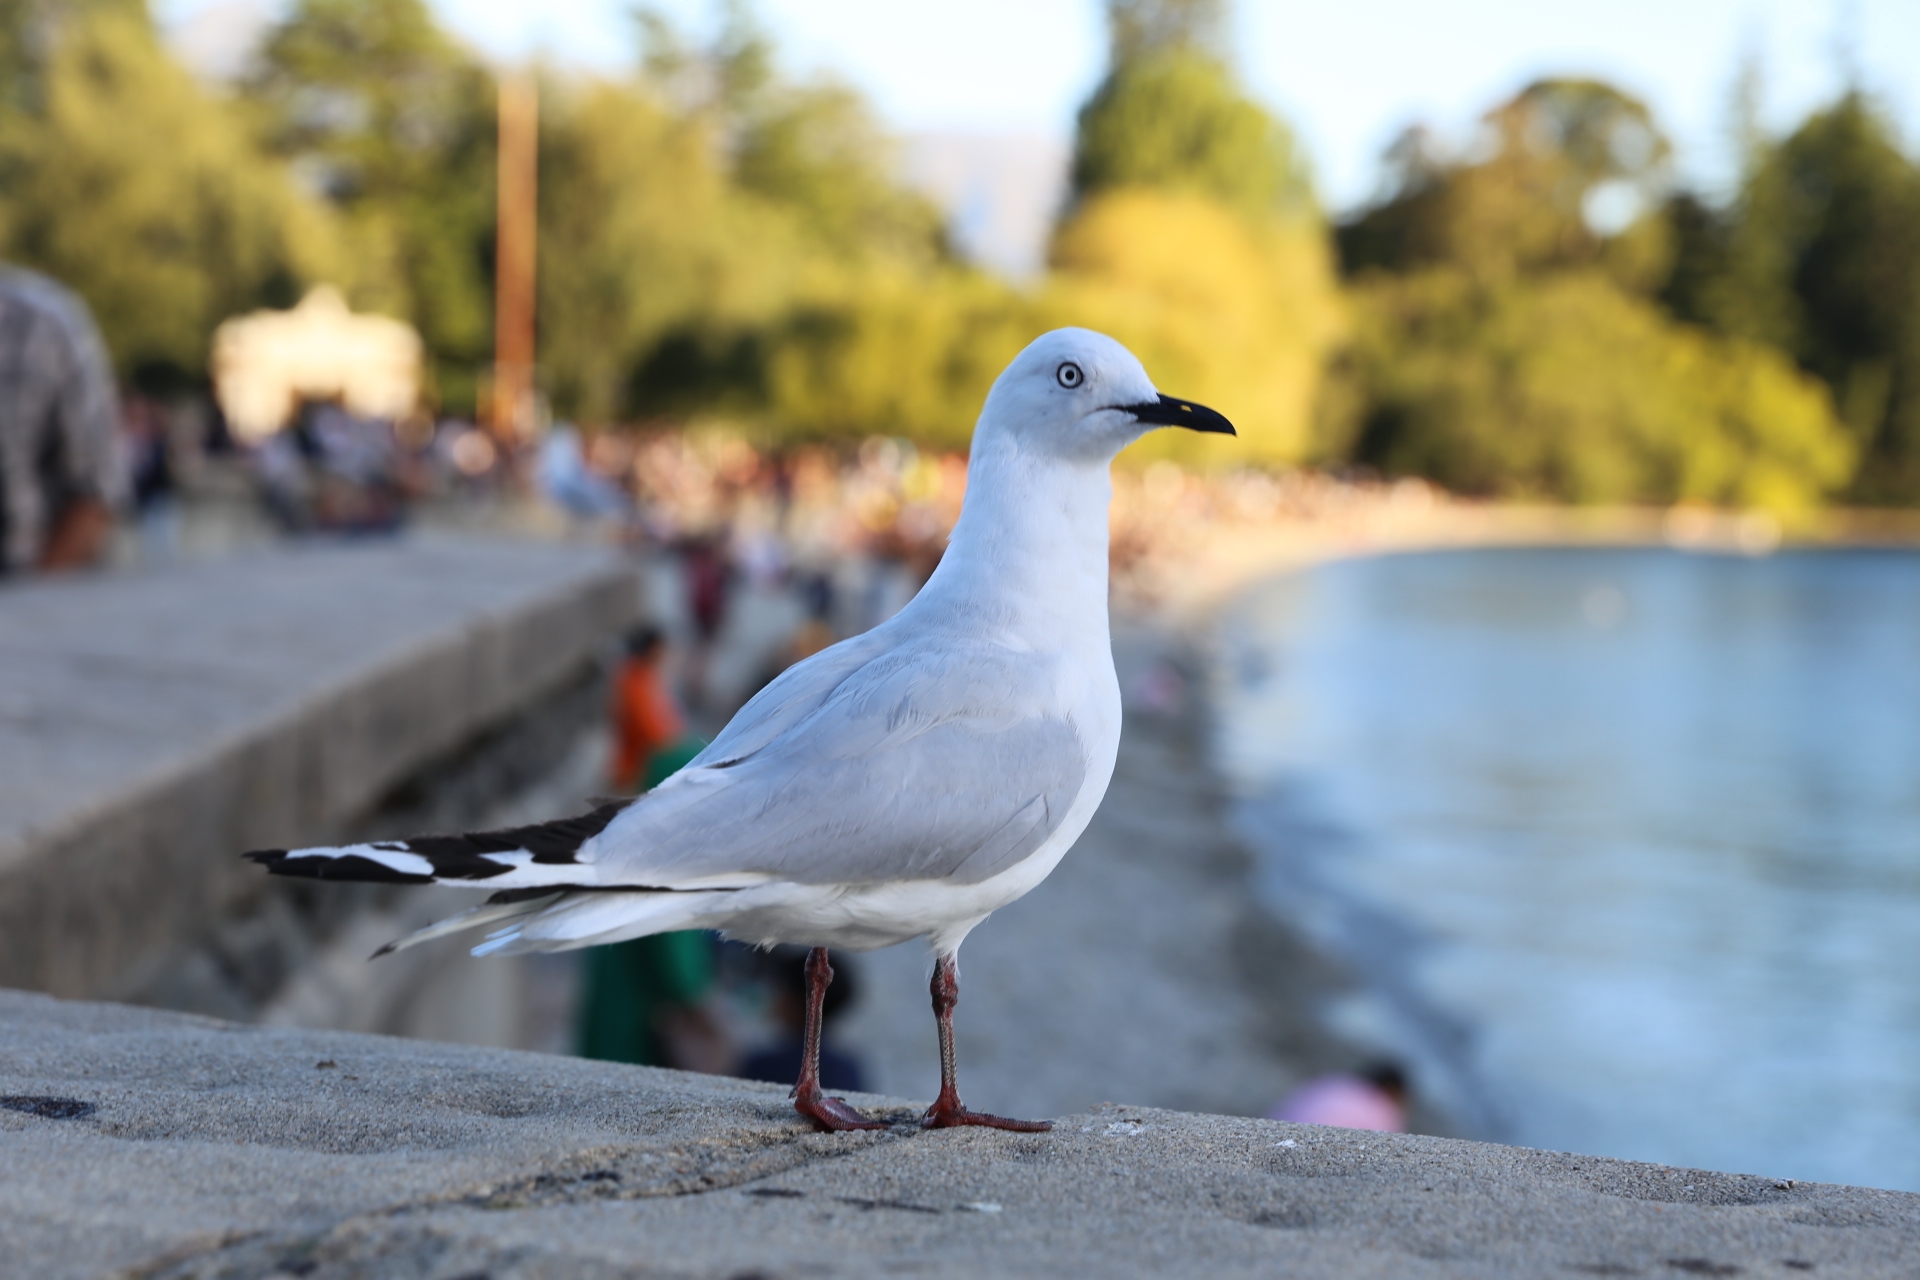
154 725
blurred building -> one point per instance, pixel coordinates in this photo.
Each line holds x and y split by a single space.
266 365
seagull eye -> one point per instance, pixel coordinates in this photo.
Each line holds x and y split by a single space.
1069 375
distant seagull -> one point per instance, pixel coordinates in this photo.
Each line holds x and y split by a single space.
902 784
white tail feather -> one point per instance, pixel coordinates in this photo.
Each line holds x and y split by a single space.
485 913
591 919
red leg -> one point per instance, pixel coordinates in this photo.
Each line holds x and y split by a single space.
831 1114
948 1112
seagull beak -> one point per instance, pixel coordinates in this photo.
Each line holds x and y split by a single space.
1169 412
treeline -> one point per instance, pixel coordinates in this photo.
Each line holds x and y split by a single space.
1540 316
1508 340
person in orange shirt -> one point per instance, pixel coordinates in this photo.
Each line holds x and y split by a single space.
647 1000
646 720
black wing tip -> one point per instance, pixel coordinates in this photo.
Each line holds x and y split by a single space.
351 867
454 857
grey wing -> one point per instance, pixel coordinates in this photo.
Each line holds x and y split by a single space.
790 697
900 775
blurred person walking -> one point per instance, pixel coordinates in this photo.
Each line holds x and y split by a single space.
61 473
709 574
650 738
150 476
571 484
1374 1097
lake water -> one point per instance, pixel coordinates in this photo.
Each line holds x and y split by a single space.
1624 845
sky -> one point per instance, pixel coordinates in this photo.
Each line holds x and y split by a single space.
1346 74
985 91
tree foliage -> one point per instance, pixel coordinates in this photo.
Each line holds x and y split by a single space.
1192 235
1235 313
902 358
1541 313
705 220
1551 164
1142 29
1170 116
1509 337
389 122
1820 256
121 177
1568 387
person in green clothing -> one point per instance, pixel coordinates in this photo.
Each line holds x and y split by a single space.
645 1001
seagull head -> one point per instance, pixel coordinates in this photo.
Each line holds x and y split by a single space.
1080 395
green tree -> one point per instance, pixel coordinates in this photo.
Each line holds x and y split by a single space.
1821 256
122 178
912 354
1233 312
1567 387
812 149
1192 235
1171 116
1560 173
816 152
634 241
1138 29
718 238
392 123
1693 290
1508 341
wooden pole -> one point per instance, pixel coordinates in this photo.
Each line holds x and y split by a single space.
515 229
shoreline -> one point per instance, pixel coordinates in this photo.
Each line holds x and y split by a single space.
1186 546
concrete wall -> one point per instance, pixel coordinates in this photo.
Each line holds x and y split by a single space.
154 726
137 1143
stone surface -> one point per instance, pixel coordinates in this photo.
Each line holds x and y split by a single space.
155 725
136 1143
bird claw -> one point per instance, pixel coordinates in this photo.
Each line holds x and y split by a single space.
834 1115
953 1117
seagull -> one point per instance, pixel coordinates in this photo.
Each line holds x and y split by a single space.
902 784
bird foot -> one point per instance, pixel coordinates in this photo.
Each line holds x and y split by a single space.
833 1114
953 1116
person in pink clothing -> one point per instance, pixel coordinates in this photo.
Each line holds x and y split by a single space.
1375 1098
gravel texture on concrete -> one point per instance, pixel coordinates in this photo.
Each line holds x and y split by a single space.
136 1143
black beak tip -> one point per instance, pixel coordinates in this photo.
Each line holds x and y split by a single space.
1168 411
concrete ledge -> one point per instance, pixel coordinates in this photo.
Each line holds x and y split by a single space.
171 1146
152 726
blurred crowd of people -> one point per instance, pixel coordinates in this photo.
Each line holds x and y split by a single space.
80 455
